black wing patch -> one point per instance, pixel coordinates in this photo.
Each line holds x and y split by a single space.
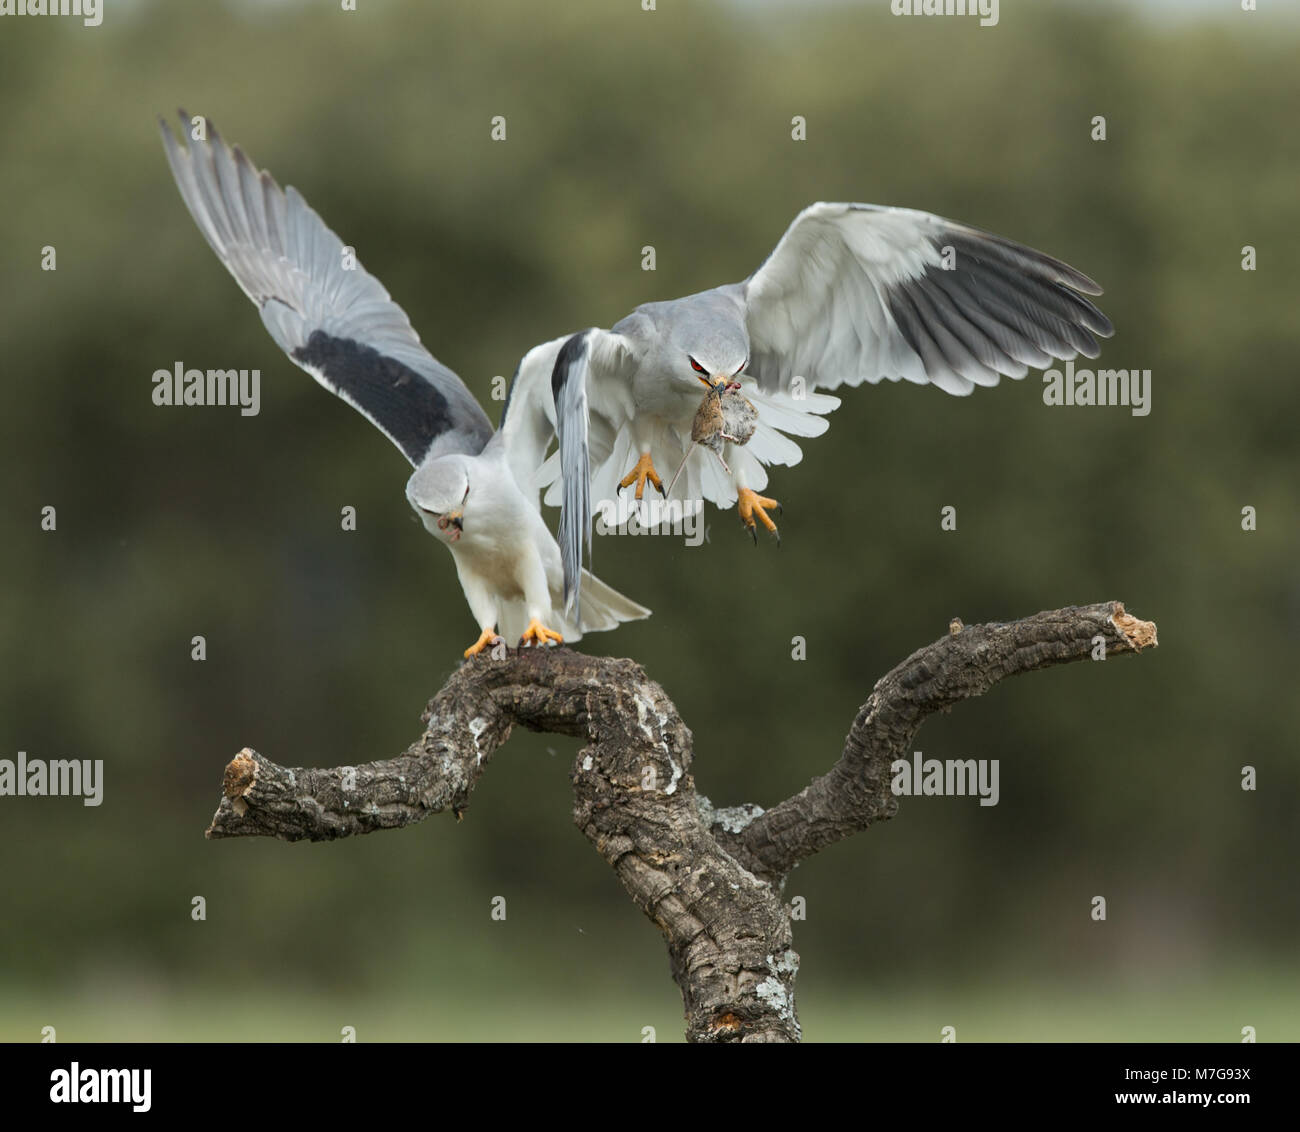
396 398
1003 304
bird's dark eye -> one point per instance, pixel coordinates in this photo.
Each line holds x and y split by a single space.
696 366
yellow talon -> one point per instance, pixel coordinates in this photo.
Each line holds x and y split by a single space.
644 470
539 634
487 637
750 505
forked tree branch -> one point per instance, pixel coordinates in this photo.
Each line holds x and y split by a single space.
710 879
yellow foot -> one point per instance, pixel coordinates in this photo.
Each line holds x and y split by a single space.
539 634
487 637
751 505
644 470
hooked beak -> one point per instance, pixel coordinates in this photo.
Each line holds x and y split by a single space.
717 384
455 520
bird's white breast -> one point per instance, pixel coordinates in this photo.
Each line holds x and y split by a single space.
666 396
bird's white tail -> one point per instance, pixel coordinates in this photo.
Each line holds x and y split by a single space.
603 607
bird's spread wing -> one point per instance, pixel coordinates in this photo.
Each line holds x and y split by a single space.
859 292
326 312
591 360
548 396
569 387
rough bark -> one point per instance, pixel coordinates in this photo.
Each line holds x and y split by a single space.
711 879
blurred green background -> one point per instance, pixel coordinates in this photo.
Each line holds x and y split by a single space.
669 128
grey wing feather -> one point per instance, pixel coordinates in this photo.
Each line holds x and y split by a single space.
337 323
527 424
857 292
569 388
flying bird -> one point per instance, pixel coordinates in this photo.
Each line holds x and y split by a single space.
852 293
474 489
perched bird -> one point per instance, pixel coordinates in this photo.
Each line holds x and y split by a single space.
474 489
851 293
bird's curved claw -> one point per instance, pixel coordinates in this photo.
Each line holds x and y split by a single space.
539 634
753 506
487 637
644 470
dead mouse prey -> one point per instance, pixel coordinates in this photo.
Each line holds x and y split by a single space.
724 414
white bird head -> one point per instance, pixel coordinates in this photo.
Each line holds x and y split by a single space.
439 491
707 340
